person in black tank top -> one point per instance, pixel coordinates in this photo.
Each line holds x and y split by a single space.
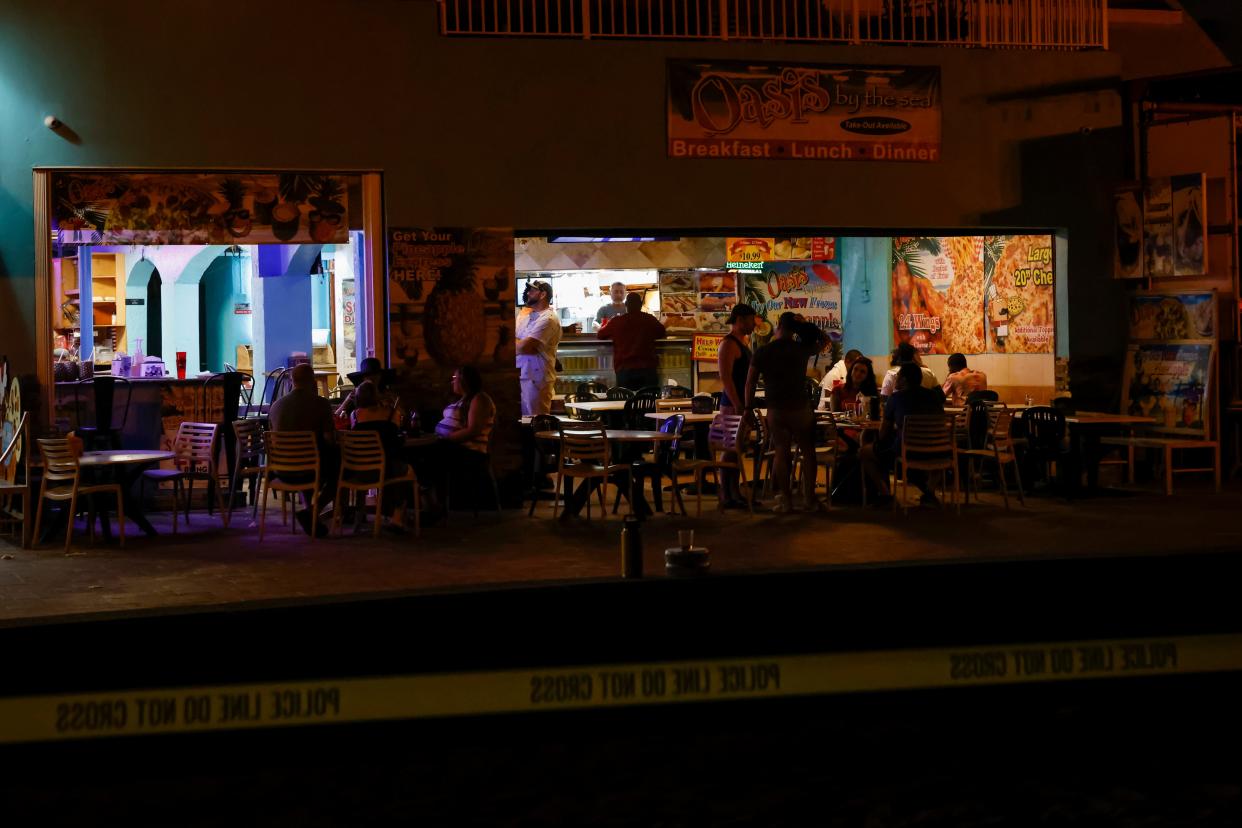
733 363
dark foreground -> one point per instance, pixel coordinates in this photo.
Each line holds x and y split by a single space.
1156 746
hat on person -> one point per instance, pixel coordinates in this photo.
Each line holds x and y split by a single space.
740 310
372 368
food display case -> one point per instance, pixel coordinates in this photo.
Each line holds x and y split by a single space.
590 360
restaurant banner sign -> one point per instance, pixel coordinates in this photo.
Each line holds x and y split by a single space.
740 251
737 109
974 294
199 208
706 347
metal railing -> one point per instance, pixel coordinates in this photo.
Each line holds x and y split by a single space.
1018 24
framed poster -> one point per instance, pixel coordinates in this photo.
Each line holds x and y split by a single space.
938 293
1128 232
1173 316
1170 382
1189 224
1019 294
812 289
1158 227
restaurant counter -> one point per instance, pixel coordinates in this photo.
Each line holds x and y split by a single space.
588 359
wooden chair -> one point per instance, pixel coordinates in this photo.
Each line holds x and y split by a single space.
726 436
16 457
62 481
927 444
194 449
364 467
248 436
998 446
585 456
293 453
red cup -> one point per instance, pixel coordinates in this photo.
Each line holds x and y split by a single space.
180 364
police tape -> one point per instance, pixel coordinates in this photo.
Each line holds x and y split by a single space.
283 704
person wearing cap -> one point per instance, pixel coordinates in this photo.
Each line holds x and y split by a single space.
634 335
733 364
372 370
614 308
538 332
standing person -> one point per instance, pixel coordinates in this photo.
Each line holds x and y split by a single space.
838 373
911 397
902 354
302 409
634 336
538 332
782 364
733 365
962 380
614 308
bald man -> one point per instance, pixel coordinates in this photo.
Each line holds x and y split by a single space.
615 308
302 409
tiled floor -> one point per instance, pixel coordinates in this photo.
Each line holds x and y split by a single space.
207 565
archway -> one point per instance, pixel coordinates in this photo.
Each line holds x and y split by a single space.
155 314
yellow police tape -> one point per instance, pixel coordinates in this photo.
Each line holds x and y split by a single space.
226 707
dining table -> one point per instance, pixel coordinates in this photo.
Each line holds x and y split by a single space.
124 466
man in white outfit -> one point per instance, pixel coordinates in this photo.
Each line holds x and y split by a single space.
538 332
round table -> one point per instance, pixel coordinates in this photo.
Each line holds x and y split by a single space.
127 465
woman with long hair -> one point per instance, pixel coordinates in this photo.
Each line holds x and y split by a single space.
860 380
464 433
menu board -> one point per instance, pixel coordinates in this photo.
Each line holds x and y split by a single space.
974 294
812 289
679 300
780 249
1169 382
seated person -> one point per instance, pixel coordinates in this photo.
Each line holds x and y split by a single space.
464 432
838 373
373 414
861 380
902 354
962 380
373 371
878 458
302 409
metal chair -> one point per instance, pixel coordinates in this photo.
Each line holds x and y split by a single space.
544 460
577 413
657 467
1045 439
194 450
927 444
296 454
637 408
102 434
273 389
16 456
987 395
618 393
248 438
61 466
364 467
727 436
585 456
590 389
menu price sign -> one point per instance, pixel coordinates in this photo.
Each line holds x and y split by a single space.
741 251
706 347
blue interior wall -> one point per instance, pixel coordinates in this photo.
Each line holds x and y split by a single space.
320 312
865 306
225 329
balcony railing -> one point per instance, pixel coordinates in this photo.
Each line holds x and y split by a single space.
1015 24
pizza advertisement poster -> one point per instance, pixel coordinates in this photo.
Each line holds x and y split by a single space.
974 294
1019 294
1176 316
1169 382
812 289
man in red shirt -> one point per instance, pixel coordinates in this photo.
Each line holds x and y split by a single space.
634 334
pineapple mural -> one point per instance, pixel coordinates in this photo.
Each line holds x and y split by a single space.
453 323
